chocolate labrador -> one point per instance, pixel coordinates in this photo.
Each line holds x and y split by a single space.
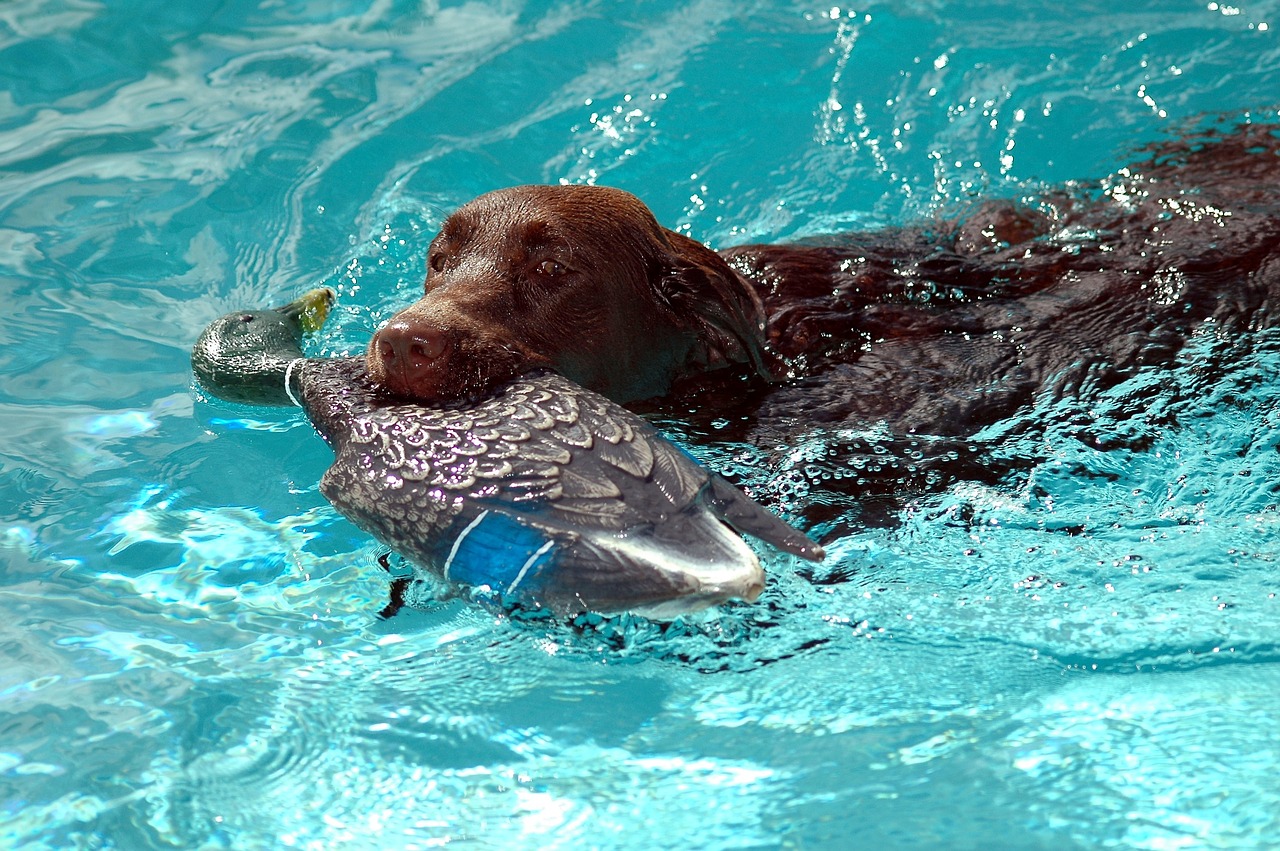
936 329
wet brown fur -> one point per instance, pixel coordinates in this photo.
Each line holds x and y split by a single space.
937 329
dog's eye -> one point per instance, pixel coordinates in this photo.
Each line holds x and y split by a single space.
436 261
551 268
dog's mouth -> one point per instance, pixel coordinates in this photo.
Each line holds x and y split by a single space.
451 367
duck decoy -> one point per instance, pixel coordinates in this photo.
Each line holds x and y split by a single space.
544 493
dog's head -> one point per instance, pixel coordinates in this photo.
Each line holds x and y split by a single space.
579 279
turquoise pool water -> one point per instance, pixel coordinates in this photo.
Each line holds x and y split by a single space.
1084 655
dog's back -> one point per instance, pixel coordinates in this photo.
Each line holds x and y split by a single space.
943 330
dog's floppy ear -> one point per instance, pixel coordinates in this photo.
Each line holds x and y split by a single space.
698 283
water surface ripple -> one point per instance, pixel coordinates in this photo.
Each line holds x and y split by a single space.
1083 653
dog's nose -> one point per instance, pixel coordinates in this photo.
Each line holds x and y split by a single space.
405 349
